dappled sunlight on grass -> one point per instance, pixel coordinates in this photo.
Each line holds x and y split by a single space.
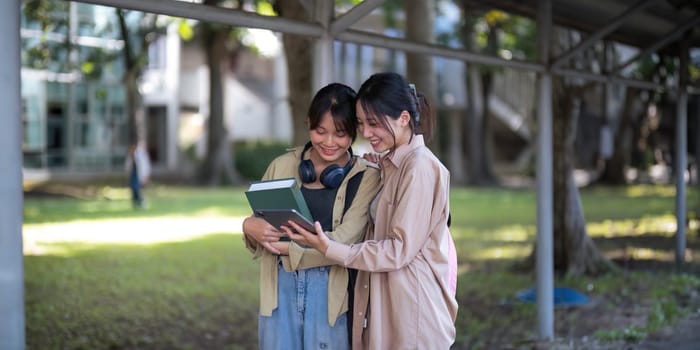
200 294
506 233
514 233
648 190
609 228
100 274
63 250
505 242
113 206
114 202
115 193
509 252
39 237
210 212
638 253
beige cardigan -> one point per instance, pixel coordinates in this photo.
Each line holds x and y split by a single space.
348 228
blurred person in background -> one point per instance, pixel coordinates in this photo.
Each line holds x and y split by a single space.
138 171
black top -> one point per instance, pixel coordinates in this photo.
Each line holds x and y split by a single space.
320 202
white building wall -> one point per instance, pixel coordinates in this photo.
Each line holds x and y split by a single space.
172 82
161 88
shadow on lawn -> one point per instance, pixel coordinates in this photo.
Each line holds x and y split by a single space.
650 294
652 252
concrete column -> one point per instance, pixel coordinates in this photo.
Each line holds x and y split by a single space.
545 250
12 333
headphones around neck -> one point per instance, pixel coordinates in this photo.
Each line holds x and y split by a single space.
331 177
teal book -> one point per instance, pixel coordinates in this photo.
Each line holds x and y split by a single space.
277 194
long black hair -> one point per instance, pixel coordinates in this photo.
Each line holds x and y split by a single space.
386 95
339 99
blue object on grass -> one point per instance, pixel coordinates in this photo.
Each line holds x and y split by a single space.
563 296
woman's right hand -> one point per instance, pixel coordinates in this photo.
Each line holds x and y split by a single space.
318 240
262 232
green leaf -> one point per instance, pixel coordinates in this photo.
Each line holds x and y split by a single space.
265 9
185 30
87 67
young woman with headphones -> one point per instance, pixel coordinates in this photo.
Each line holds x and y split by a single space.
407 264
304 296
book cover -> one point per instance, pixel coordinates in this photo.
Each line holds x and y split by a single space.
277 194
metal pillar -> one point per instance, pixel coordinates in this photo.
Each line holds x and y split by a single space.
323 47
12 333
545 251
681 160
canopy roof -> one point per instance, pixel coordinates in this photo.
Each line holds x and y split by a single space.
650 25
652 22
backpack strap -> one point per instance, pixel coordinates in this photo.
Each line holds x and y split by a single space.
351 190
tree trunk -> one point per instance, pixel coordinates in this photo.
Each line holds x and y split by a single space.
454 146
575 252
297 50
697 156
488 177
473 125
134 110
135 122
486 173
218 165
419 67
614 171
478 142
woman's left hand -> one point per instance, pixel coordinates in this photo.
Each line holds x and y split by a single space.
318 240
372 157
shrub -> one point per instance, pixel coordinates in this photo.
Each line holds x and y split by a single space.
253 157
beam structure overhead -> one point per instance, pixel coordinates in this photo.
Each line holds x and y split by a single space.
339 29
601 33
355 14
221 15
377 40
640 29
668 38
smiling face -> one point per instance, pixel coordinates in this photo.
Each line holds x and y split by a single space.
329 143
383 137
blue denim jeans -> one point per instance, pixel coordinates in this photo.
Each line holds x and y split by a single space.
301 318
135 185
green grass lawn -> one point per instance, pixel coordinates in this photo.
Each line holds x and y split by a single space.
202 293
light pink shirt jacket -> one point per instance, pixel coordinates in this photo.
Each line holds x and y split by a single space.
403 297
